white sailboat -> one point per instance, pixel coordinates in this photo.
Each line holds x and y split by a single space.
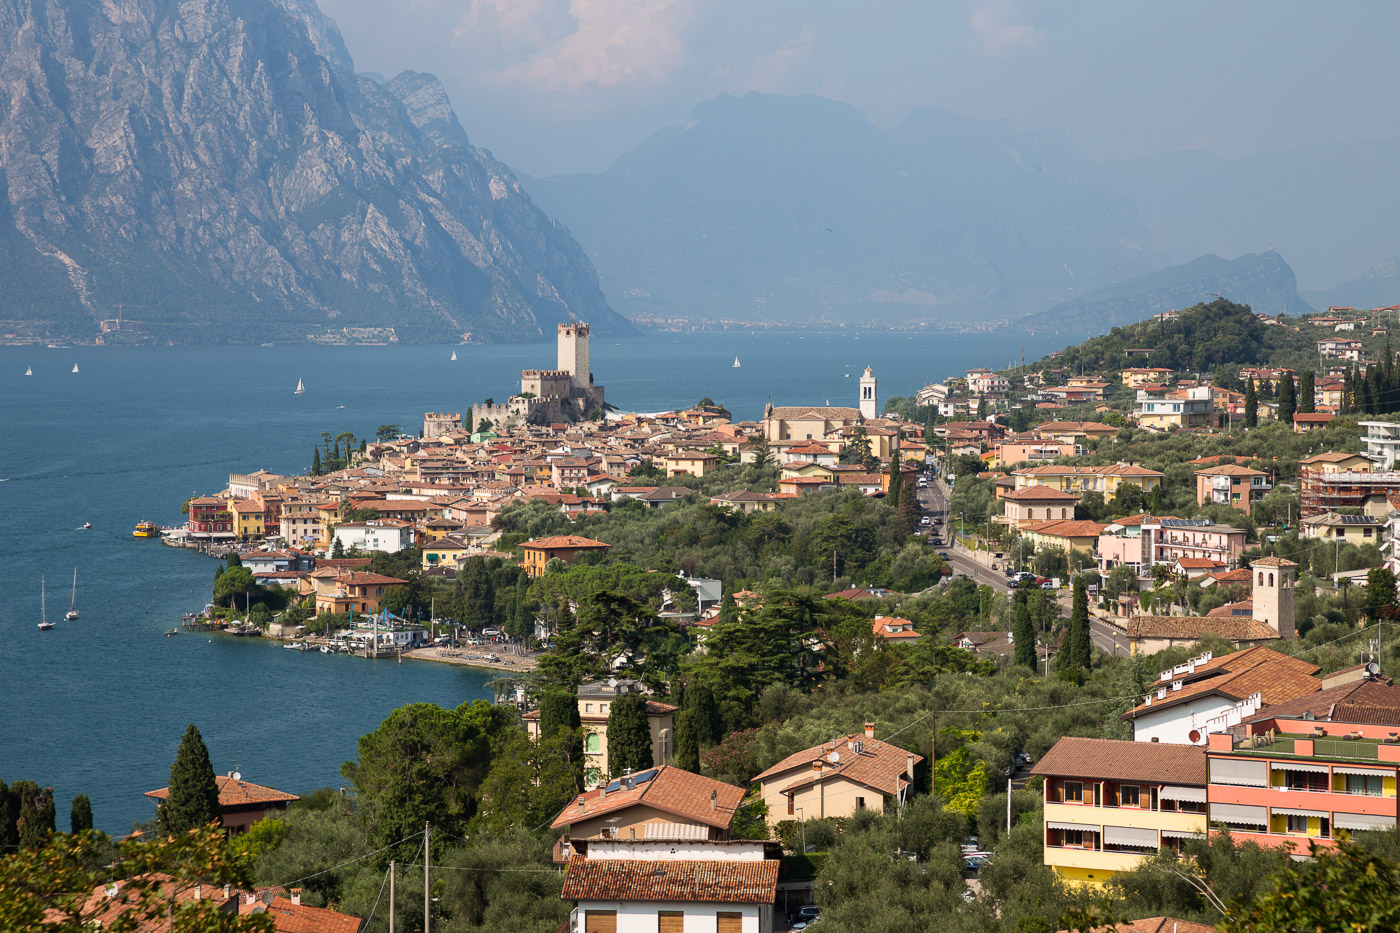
454 355
75 367
300 388
44 623
29 370
73 604
736 363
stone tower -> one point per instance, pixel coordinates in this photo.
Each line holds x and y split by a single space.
573 353
1273 593
869 397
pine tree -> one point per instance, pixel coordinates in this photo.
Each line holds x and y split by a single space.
1287 400
315 461
629 735
80 818
558 711
762 453
1022 629
1307 393
687 742
1251 405
193 798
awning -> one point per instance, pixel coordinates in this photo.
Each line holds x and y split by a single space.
1173 792
1179 834
1289 811
1084 827
1362 821
1239 813
1239 771
1299 766
1129 836
1363 772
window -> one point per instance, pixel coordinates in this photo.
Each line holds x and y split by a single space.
1297 824
1072 792
1129 795
792 805
860 803
591 743
1305 780
588 707
1368 784
602 707
1073 837
670 921
729 921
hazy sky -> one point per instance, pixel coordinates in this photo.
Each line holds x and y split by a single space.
567 85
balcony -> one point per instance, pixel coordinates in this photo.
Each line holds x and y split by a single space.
1092 859
1135 817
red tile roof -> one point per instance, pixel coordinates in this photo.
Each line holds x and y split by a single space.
1236 628
1123 760
674 791
676 880
237 793
300 918
554 542
1275 682
1365 701
877 765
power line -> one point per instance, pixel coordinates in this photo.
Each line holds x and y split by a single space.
351 861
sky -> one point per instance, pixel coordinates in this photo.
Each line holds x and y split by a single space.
554 86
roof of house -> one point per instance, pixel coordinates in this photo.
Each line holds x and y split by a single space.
1198 563
1068 528
1156 925
1275 682
553 542
288 917
1038 493
1233 628
1230 469
675 791
712 881
237 793
815 413
1363 701
1125 760
1244 607
882 626
876 765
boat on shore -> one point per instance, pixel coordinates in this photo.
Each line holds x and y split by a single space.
146 530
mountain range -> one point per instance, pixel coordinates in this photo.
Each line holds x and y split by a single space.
217 170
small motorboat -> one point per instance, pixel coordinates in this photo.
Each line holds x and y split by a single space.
326 649
171 631
85 526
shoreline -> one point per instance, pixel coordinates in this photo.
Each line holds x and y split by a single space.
510 664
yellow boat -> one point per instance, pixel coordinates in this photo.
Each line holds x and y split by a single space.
146 530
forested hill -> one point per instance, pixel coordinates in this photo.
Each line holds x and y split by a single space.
1220 335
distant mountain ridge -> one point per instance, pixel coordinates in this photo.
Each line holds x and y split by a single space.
217 170
767 207
1263 281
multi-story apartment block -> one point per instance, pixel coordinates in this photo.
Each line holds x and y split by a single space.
1231 484
1382 443
1189 408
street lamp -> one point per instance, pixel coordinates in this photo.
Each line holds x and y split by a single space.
803 823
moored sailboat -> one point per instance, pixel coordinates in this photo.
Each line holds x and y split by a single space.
73 604
300 388
44 623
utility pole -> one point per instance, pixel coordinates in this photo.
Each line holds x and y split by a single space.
1008 812
932 760
393 870
427 889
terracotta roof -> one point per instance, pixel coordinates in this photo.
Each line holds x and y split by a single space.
1275 681
712 881
1331 456
1038 493
882 625
300 918
1272 562
1364 701
876 765
1198 563
675 791
1156 925
1066 529
236 793
563 541
1123 760
1244 607
1240 575
1230 469
1236 628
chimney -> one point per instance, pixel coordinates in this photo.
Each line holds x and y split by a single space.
249 897
713 795
198 891
580 803
909 765
296 896
870 730
602 791
228 890
817 765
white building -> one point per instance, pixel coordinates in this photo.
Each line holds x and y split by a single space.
1382 442
869 395
384 534
986 382
699 886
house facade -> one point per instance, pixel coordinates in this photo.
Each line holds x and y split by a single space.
595 701
836 778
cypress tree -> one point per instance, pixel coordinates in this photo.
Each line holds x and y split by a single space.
1307 393
193 800
1375 392
80 818
522 623
1251 405
315 461
907 514
629 735
9 818
687 742
1081 653
700 700
558 711
1349 392
1287 400
1022 629
35 809
896 475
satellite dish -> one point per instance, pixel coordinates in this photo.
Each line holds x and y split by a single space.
1194 735
1373 669
612 682
237 776
834 757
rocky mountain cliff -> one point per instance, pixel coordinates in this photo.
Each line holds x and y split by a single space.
215 169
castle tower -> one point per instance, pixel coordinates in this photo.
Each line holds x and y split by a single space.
869 397
573 353
1273 593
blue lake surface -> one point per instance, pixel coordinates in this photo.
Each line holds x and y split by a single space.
98 705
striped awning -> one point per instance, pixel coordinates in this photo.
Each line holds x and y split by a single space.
1174 792
1239 771
1129 836
1362 772
1083 827
1289 811
1299 766
1362 821
669 831
1239 813
1179 834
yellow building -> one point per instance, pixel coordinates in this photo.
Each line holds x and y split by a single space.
1068 535
595 701
1348 529
1104 480
837 778
1133 378
1109 804
445 552
247 519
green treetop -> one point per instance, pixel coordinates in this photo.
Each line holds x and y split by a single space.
80 817
629 735
193 798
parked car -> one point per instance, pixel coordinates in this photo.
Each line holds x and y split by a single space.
974 862
1049 585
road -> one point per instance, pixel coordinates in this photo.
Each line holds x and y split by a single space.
1107 637
933 499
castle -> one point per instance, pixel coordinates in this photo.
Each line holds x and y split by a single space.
566 393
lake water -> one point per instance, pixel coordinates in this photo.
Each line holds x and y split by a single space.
98 705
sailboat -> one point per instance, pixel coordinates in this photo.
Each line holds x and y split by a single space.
29 370
454 355
44 623
75 367
736 363
73 605
300 388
